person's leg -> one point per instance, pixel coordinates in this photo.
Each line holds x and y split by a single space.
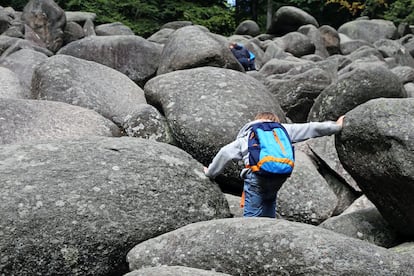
270 187
244 62
260 195
251 65
252 198
269 207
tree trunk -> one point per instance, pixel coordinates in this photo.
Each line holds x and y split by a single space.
255 5
269 13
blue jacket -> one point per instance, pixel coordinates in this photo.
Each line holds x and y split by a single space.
240 52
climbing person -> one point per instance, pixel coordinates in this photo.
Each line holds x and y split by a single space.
244 56
264 174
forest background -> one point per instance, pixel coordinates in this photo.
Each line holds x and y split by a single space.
222 16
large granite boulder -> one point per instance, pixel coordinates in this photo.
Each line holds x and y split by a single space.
283 65
323 153
173 271
44 23
114 28
404 73
248 27
205 108
394 49
408 42
207 113
369 30
23 63
88 84
176 24
409 87
324 150
360 203
28 120
11 23
330 38
349 46
76 207
190 47
316 38
366 54
306 196
10 85
72 32
5 20
9 45
296 93
79 16
147 122
131 55
234 204
406 248
297 44
273 50
162 36
362 82
288 19
366 224
262 246
376 146
89 28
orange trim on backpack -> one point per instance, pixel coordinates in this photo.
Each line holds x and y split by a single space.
256 168
279 142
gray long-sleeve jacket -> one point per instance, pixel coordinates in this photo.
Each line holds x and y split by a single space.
238 150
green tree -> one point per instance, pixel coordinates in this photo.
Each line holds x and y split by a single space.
401 11
18 5
146 17
370 8
260 11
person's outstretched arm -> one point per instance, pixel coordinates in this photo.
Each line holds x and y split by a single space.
301 132
226 154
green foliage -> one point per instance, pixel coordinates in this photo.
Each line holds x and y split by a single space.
375 8
370 8
140 16
215 18
145 17
18 5
401 11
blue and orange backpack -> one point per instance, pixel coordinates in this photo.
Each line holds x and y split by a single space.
270 150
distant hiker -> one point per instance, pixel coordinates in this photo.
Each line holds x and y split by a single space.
244 56
262 184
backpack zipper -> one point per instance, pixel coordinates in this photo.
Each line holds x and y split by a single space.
279 142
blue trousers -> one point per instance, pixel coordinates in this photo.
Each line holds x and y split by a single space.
247 64
260 195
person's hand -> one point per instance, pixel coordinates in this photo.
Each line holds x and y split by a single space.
205 170
340 120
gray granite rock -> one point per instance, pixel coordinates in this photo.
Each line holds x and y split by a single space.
261 246
376 146
76 207
30 120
